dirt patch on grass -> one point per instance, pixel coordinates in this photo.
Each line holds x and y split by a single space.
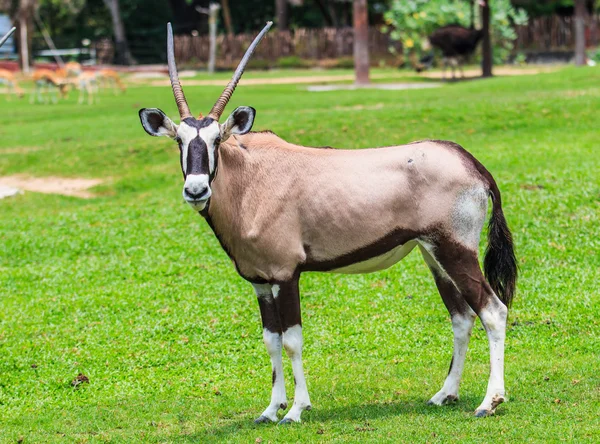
470 72
20 150
498 71
52 185
264 81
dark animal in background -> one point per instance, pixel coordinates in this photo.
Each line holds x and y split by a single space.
456 43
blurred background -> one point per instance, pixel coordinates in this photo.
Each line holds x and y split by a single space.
309 33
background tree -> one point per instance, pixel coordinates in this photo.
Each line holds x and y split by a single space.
281 14
486 41
361 42
227 17
22 14
123 55
580 14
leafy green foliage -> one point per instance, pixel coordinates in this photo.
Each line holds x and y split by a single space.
413 21
132 289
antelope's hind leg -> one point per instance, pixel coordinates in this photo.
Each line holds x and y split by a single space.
462 267
273 339
463 318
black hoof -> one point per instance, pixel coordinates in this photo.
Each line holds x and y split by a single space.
285 421
262 420
483 413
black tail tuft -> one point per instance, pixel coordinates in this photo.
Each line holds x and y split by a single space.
500 263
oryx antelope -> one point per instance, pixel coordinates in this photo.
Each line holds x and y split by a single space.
280 209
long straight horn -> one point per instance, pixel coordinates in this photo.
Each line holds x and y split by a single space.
218 108
184 109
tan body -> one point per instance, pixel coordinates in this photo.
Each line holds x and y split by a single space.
88 85
8 78
322 204
70 69
110 78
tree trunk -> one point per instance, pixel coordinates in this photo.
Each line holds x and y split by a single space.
213 13
123 55
281 13
486 44
580 13
594 26
227 17
361 42
24 51
25 32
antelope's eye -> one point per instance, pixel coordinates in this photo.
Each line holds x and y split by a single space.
217 140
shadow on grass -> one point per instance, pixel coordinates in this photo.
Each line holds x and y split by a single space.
357 414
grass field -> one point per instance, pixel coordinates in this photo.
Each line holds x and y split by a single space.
132 289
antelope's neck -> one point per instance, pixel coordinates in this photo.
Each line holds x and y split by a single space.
228 186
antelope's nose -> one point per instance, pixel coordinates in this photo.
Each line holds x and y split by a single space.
195 191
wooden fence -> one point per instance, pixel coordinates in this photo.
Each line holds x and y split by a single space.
329 44
315 44
554 33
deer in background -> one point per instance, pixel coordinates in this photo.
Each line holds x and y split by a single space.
110 78
88 85
8 78
84 81
279 209
52 81
70 69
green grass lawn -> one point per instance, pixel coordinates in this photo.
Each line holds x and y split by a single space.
132 289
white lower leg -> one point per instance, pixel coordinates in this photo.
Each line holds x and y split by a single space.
493 319
462 325
292 342
273 342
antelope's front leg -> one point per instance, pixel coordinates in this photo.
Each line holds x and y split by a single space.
272 336
287 298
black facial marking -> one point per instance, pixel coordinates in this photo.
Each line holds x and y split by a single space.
197 157
213 174
180 155
198 124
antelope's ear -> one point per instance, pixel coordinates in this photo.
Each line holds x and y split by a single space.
239 122
156 123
